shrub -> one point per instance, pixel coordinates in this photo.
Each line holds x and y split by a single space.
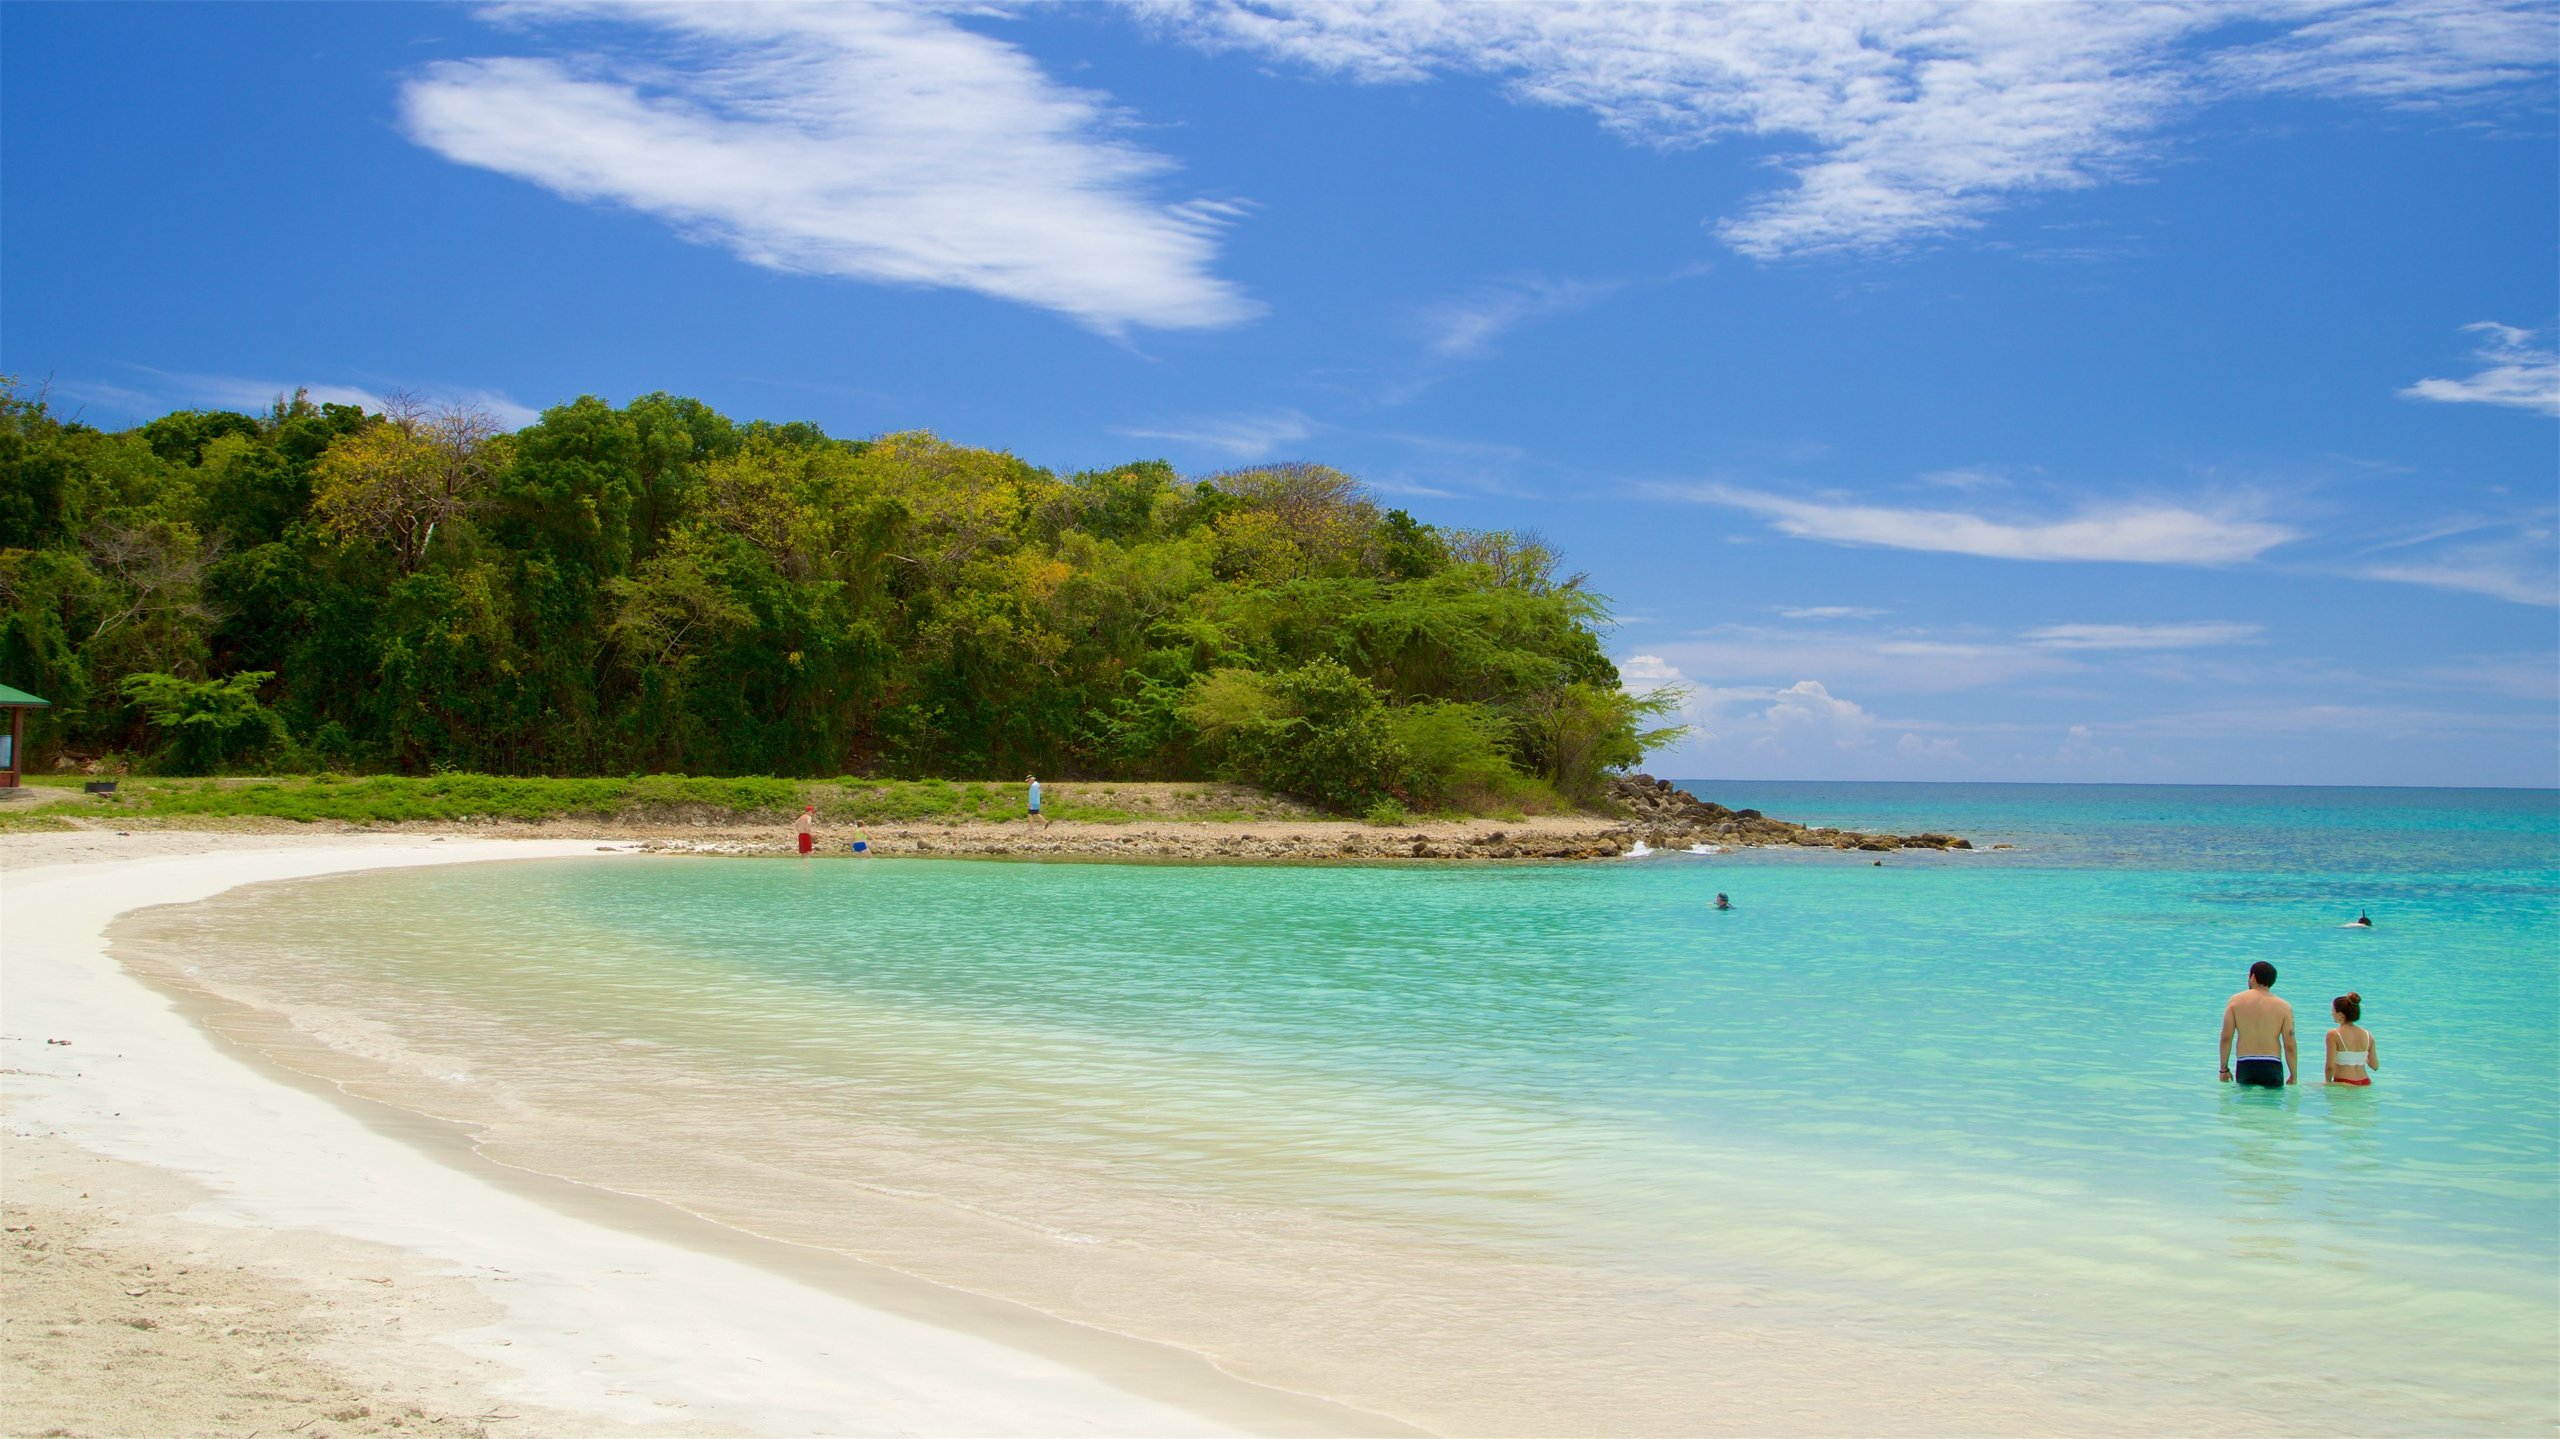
1318 732
1575 734
1456 754
207 724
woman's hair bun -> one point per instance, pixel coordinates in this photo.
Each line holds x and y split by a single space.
2358 998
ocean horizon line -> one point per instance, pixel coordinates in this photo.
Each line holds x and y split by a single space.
2550 789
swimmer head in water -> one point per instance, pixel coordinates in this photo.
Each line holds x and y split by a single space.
1722 902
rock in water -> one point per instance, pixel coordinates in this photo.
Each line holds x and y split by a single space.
1672 818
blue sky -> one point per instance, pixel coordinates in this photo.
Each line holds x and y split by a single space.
2154 393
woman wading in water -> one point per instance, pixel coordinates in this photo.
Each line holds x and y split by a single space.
2351 1051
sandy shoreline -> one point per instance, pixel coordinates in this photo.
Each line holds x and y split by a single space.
349 1277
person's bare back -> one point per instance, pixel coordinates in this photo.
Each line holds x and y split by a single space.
2262 1026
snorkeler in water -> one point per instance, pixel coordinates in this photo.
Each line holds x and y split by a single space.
2363 920
1722 902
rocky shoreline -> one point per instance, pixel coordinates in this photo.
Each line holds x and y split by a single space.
1670 817
1659 815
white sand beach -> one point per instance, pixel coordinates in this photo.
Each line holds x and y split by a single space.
199 1244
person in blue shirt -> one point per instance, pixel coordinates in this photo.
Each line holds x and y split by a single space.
1034 782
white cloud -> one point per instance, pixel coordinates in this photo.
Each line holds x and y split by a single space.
1644 672
2514 372
1773 715
1808 707
1797 728
1831 612
2188 634
2081 746
1914 120
2139 533
1466 328
1918 748
874 142
1246 437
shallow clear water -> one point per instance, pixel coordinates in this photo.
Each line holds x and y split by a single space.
1558 1147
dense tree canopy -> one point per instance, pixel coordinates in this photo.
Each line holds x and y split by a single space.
658 588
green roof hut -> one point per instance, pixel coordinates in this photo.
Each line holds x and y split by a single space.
17 703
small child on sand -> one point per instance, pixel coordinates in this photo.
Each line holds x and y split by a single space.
2351 1051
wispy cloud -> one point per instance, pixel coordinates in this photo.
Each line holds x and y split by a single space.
2405 52
2513 557
1246 437
2183 635
1476 452
1912 120
1868 715
1966 481
2388 721
2137 533
1896 661
2514 371
1465 328
1444 468
2495 573
875 142
174 389
1410 489
1830 612
2528 676
123 399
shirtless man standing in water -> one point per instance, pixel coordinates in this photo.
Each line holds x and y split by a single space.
2264 1026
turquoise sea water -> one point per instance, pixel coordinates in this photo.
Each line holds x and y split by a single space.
1935 1146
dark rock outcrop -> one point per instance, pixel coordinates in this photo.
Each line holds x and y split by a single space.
1669 817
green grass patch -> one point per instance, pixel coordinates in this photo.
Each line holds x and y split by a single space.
895 801
393 799
1092 814
751 801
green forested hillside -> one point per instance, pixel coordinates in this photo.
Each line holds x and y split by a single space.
657 588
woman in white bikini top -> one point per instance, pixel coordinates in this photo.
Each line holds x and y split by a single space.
2352 1055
